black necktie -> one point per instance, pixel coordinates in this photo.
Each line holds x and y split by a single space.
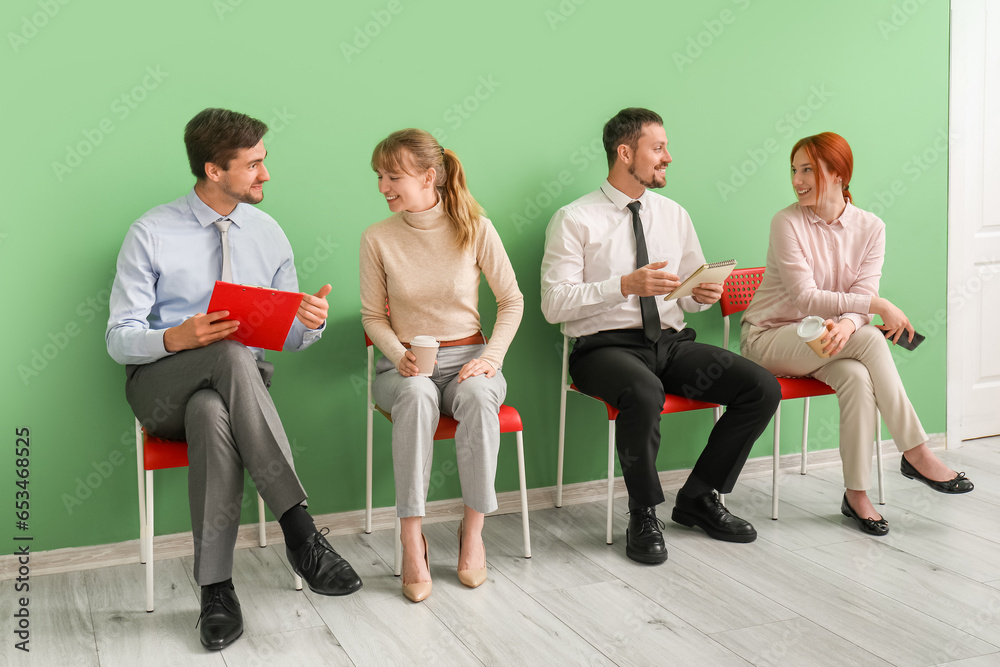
647 304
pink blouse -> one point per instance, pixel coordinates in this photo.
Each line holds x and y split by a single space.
815 268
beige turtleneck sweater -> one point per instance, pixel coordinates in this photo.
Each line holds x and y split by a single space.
432 285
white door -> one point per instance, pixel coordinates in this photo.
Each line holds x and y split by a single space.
974 222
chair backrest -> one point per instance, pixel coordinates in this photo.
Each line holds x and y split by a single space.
739 288
737 292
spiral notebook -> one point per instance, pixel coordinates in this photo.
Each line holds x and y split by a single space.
716 272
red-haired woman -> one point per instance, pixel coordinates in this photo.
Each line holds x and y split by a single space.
825 258
425 261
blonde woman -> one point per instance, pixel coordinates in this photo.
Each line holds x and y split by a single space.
420 274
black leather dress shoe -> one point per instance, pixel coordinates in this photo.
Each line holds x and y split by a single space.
870 526
643 539
959 484
221 619
325 571
708 513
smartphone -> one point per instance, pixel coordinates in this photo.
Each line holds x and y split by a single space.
904 341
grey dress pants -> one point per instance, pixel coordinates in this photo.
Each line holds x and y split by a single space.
215 398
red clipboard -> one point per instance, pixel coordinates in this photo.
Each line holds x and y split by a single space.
265 315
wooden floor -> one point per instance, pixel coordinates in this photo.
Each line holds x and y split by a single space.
812 590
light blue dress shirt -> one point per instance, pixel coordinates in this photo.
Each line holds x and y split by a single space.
168 266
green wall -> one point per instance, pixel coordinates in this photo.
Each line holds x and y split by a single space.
97 95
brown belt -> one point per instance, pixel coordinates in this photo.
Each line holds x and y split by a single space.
478 338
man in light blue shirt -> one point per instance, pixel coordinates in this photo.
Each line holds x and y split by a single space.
186 382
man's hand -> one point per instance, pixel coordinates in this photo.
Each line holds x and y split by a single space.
837 335
476 367
198 331
707 293
314 308
649 281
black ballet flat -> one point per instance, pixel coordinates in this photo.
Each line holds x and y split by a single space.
959 484
869 526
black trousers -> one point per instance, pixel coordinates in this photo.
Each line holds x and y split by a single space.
623 369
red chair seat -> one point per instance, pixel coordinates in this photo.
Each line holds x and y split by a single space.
671 405
160 454
803 388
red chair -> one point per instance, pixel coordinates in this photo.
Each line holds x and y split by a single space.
738 291
153 453
671 405
510 422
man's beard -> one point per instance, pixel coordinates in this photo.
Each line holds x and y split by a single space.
244 197
653 184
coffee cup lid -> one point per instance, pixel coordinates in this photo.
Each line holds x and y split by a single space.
810 327
423 341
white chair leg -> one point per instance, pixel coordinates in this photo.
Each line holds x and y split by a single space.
805 436
397 568
878 457
149 540
562 442
722 498
611 478
524 495
368 473
261 533
298 583
142 491
775 463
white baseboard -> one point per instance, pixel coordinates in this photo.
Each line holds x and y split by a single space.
343 523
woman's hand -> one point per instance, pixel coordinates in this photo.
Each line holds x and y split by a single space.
894 321
407 366
476 367
838 333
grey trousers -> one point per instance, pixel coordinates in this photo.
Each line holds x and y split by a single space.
216 399
416 404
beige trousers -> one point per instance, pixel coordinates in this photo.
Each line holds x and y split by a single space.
864 377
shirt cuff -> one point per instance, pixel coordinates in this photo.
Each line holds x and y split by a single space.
859 320
611 290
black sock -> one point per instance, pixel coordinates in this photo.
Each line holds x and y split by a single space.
634 505
228 583
297 525
694 487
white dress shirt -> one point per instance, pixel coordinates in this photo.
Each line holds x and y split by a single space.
589 246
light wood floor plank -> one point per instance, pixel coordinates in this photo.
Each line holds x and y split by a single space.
951 598
165 637
631 629
796 643
682 585
834 601
312 647
498 622
562 566
982 661
124 587
60 624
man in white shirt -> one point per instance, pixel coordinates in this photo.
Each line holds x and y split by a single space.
633 347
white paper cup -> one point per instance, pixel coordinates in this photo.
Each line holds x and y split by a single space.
425 349
811 331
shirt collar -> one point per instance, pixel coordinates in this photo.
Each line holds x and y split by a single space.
846 218
620 199
206 215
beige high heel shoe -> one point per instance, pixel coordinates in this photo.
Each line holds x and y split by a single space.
421 590
471 578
